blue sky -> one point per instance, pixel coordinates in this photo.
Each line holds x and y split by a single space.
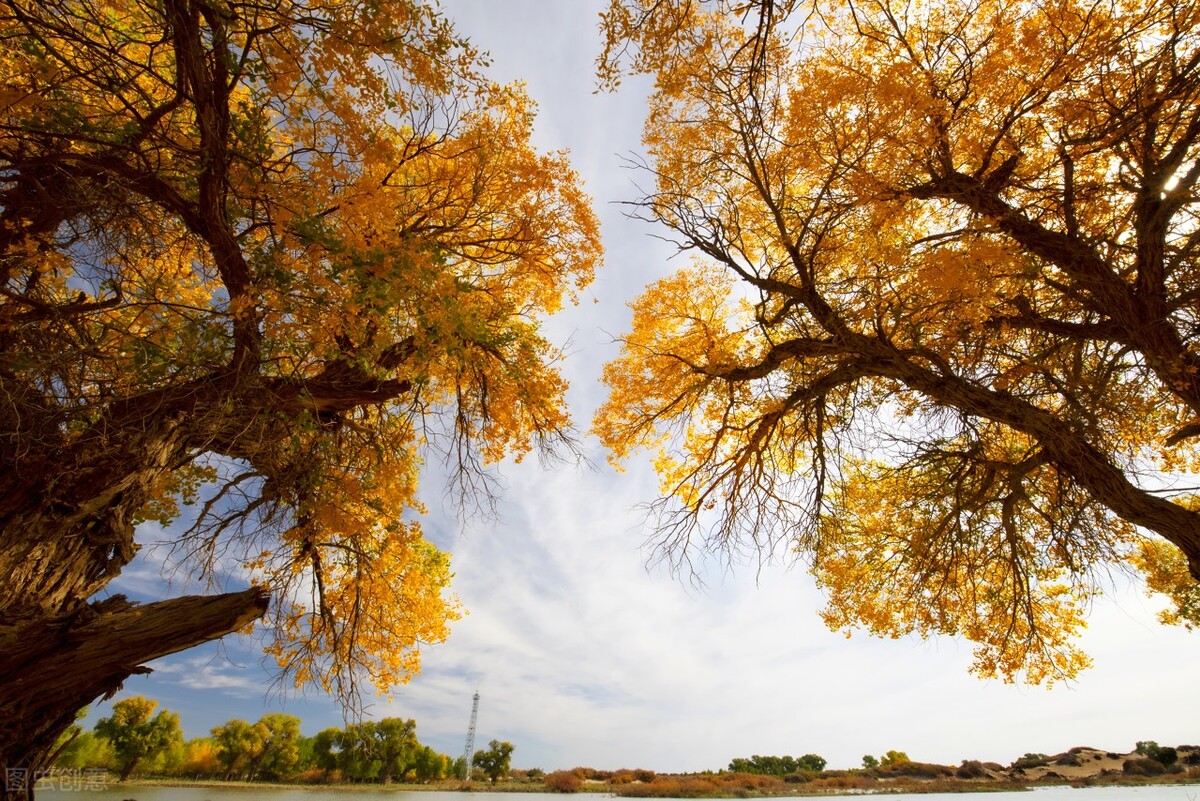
585 654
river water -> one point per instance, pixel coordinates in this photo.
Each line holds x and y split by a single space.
67 792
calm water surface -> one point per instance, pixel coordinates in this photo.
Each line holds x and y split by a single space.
1158 793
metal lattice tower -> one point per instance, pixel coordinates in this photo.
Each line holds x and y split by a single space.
469 751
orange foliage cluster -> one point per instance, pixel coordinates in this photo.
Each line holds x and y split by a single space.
303 245
940 315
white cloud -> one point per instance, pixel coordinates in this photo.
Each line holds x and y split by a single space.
213 672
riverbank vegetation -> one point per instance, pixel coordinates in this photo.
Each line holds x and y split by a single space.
896 772
149 748
272 749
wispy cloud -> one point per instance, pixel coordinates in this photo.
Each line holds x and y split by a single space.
213 672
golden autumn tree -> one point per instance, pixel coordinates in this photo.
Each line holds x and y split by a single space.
258 258
940 331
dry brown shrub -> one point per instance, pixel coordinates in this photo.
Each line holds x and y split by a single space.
563 781
1143 766
659 788
751 781
845 781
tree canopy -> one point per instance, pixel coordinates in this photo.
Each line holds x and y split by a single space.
777 765
939 331
135 735
495 761
268 749
257 261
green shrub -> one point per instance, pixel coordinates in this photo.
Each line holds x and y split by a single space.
1164 754
1159 753
1031 761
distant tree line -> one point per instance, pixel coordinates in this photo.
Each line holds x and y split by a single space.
133 739
809 763
777 765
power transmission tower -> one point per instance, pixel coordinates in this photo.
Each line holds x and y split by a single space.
470 749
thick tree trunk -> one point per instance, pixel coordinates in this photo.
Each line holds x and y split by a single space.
128 769
52 667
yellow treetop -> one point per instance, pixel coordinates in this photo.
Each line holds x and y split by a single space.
264 258
940 335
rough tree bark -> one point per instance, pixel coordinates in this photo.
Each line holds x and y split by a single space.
53 666
64 538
